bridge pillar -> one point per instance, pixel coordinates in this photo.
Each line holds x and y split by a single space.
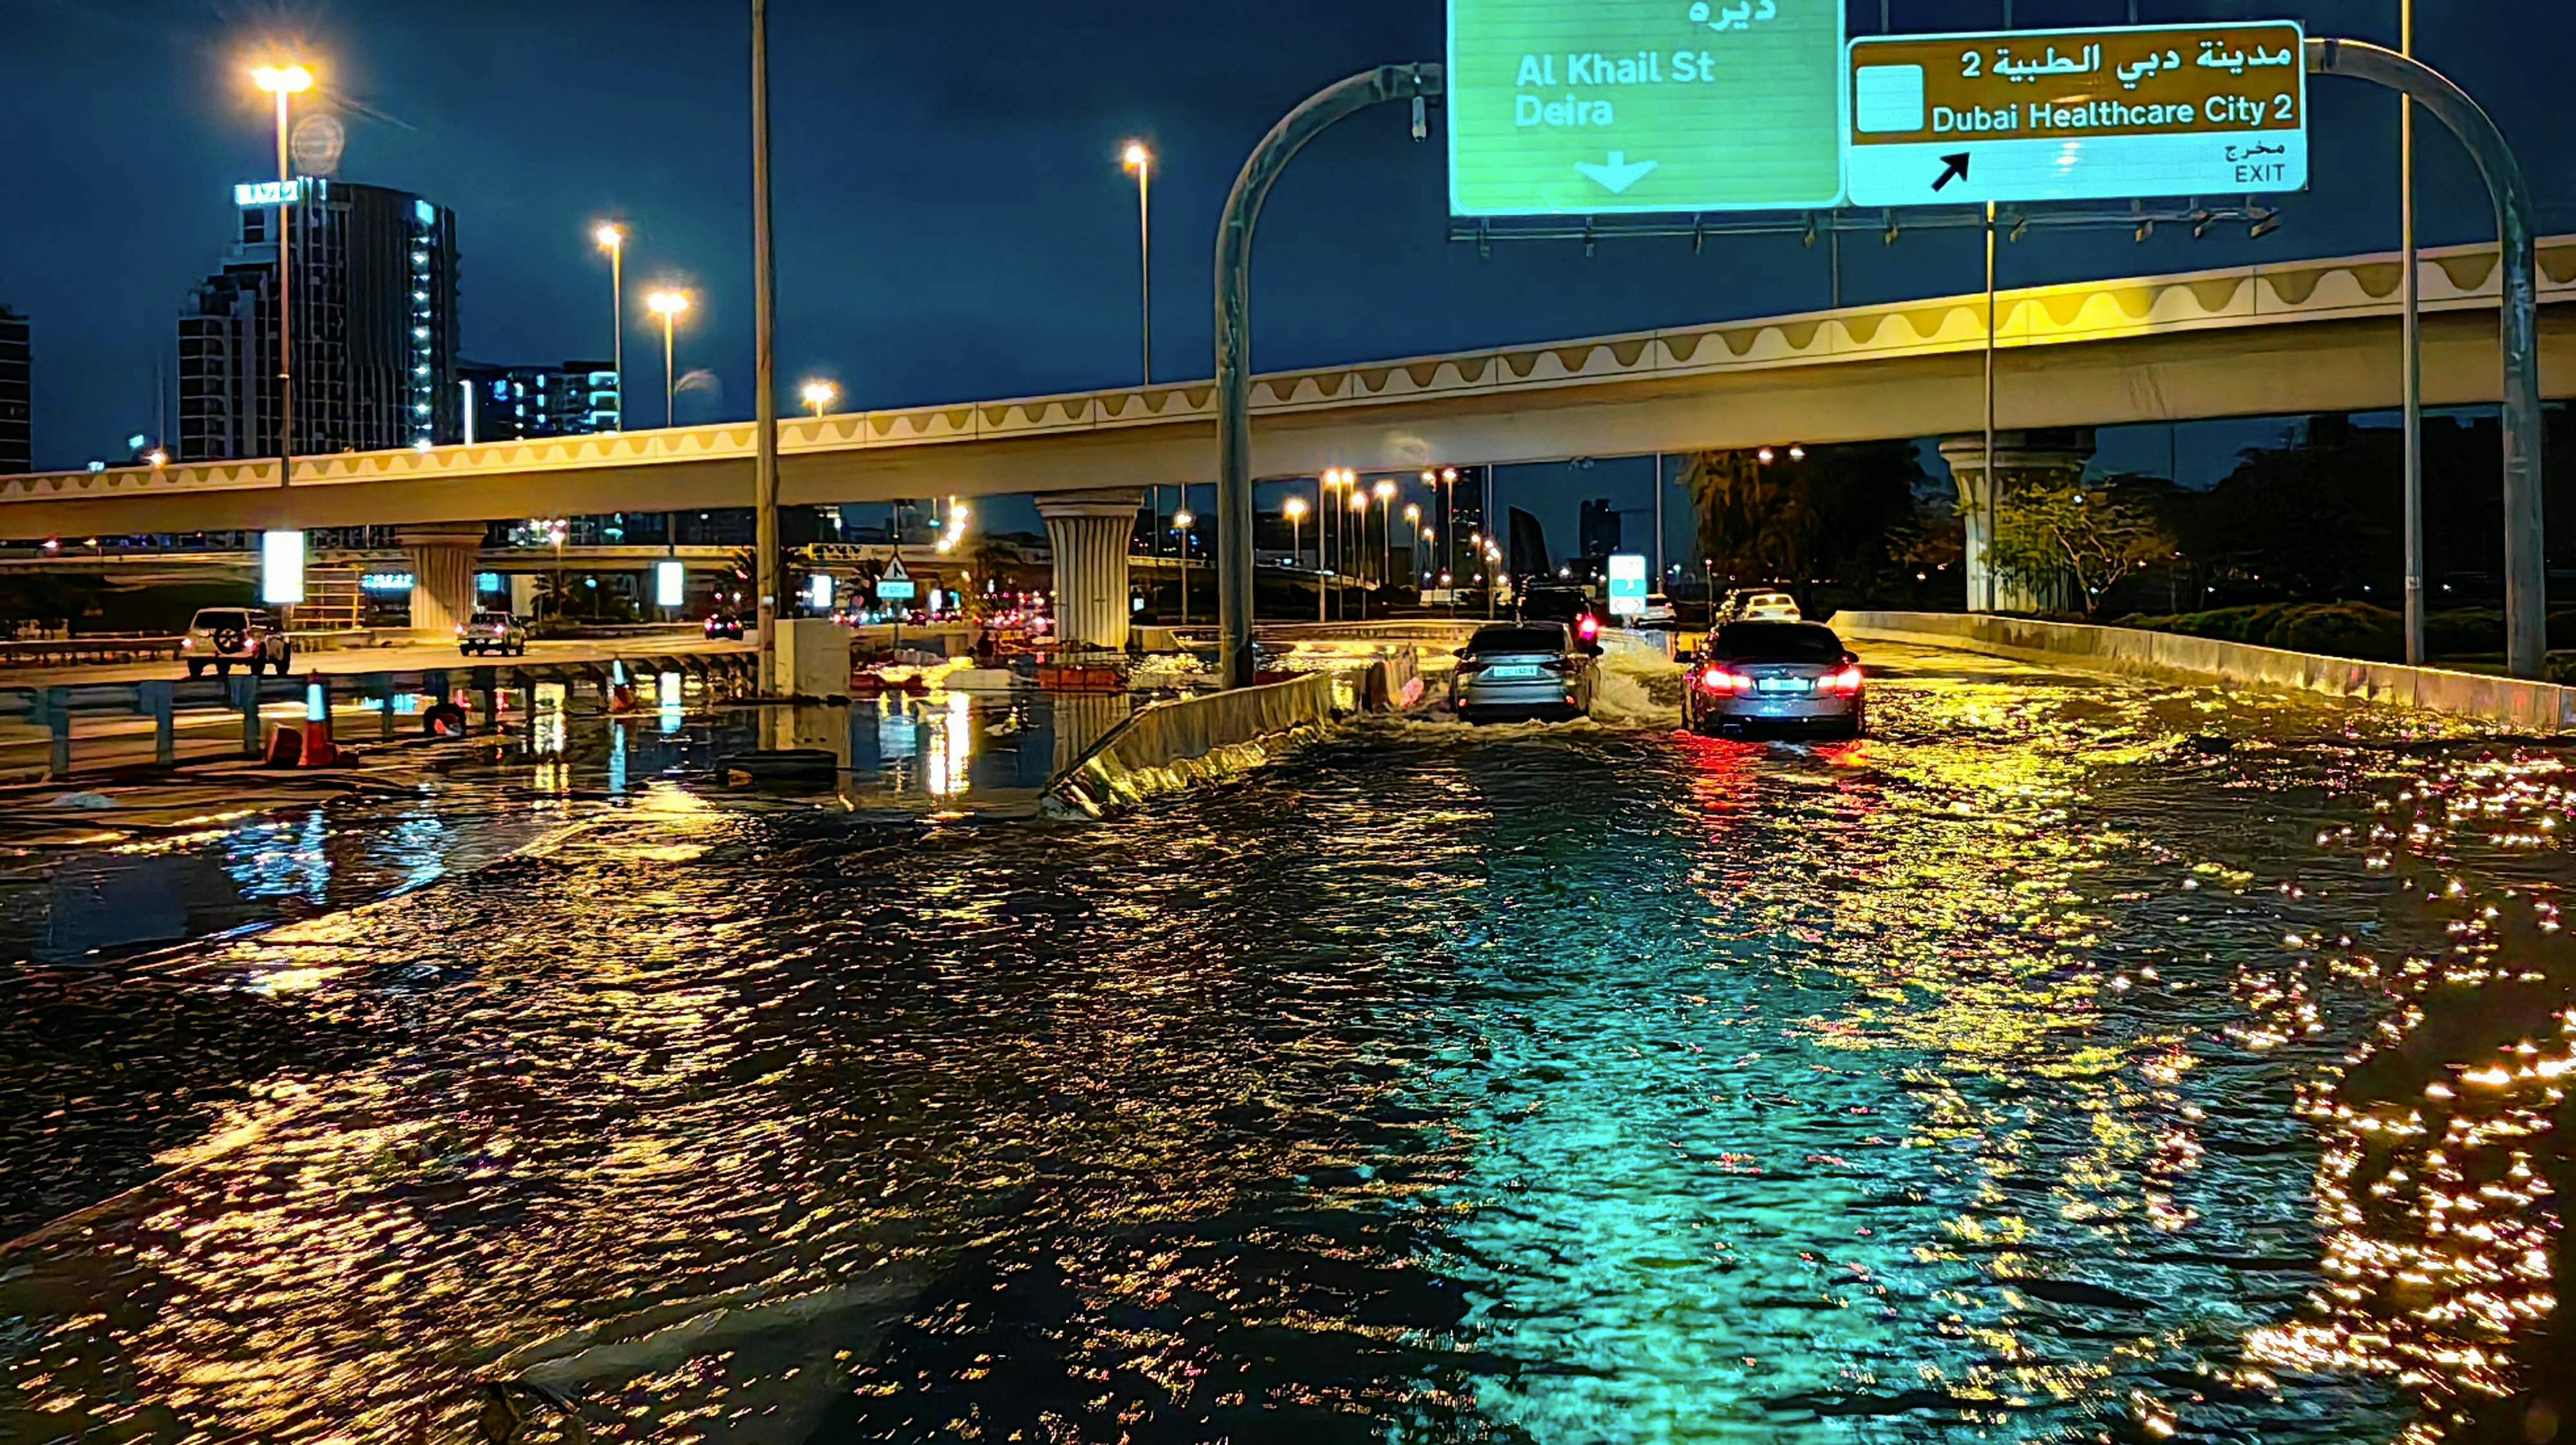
1091 532
442 577
2023 459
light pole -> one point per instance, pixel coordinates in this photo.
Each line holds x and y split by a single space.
1493 579
1295 507
1181 522
284 81
668 305
1141 161
612 239
1449 529
818 395
1413 515
1355 542
1327 522
2413 341
1385 493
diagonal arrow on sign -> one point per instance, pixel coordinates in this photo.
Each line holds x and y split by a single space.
1618 175
1953 168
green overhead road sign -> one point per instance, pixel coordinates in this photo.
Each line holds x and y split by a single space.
1595 107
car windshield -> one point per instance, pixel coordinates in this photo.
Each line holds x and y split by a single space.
1544 638
491 619
215 619
1778 642
1554 604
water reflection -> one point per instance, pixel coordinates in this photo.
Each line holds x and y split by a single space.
940 752
2024 1072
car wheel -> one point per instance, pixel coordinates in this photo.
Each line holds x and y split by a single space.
223 668
196 669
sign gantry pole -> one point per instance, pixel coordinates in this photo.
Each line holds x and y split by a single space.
1237 663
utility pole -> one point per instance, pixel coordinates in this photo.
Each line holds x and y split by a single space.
1994 477
764 259
2410 290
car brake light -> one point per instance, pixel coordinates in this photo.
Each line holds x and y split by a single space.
1718 679
1587 627
1845 681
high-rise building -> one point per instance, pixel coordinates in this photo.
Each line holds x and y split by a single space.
17 395
1597 528
374 325
516 403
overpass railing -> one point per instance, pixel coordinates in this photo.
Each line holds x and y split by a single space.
53 711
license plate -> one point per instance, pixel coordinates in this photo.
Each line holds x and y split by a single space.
1513 672
1784 684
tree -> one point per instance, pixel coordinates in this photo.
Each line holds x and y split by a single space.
1848 515
2094 534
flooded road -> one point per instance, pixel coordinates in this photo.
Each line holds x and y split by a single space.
2072 1060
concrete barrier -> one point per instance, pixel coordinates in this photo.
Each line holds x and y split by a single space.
1171 745
2537 707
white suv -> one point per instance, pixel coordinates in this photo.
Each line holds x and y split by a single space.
218 637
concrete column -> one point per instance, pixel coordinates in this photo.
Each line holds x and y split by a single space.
2023 459
1090 532
443 560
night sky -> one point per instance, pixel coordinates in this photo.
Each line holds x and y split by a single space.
953 221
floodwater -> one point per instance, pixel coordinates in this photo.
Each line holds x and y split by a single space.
78 887
2069 1061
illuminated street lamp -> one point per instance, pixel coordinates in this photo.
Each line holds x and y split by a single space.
1413 515
819 394
1140 160
1385 494
668 305
1327 522
612 239
1296 510
284 81
1355 538
1182 519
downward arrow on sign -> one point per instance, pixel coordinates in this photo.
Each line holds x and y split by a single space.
1618 175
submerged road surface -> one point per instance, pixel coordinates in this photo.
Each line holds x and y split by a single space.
2073 1060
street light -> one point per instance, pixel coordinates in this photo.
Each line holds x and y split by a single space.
819 394
283 81
668 305
1333 477
612 239
1141 161
1296 510
1413 515
1385 492
1181 522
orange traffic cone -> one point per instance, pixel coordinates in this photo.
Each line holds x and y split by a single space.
319 750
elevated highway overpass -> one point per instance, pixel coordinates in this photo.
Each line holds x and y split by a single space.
2284 338
2271 339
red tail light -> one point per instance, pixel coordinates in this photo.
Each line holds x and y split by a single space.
1719 680
1845 682
1587 627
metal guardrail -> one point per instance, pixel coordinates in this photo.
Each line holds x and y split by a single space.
109 647
52 709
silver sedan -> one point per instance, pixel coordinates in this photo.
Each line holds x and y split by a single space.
1523 670
1784 675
